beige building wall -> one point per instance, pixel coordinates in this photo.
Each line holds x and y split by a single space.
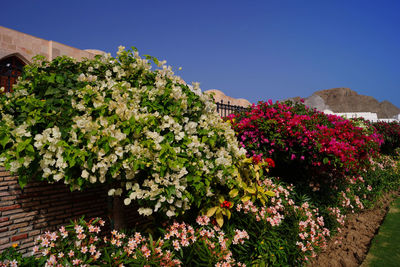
219 95
28 46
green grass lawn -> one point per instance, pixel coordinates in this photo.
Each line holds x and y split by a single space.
385 249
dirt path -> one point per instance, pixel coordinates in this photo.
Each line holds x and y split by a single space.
350 247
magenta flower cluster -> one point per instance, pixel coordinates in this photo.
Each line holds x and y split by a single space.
292 132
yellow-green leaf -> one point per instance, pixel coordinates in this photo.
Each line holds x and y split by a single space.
221 199
247 160
245 198
220 219
251 190
228 214
233 193
211 211
270 193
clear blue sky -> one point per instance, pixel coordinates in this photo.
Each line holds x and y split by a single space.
257 50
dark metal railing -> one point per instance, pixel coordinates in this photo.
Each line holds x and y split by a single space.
226 109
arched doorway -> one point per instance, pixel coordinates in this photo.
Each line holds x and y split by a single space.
10 69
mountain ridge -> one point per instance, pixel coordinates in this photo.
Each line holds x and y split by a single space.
344 99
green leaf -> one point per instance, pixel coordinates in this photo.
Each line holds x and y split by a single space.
22 181
4 141
59 79
51 78
21 146
212 142
233 193
51 91
30 148
72 162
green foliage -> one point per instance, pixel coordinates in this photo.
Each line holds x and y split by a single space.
283 229
384 176
114 120
267 245
11 256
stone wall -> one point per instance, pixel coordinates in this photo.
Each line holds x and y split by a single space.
26 214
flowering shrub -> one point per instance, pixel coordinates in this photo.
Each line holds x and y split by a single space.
115 120
363 190
308 147
76 244
80 244
383 176
247 187
280 231
390 132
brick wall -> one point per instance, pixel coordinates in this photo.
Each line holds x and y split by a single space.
27 213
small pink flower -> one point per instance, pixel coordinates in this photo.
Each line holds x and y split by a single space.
84 249
76 261
81 236
176 245
45 242
35 249
78 229
92 249
97 256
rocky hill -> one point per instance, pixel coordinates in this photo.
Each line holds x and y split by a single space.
347 100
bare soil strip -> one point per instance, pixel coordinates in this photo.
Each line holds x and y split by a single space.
350 247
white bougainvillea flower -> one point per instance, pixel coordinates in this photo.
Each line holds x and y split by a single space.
156 140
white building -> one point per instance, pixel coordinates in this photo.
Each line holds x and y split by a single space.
370 116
